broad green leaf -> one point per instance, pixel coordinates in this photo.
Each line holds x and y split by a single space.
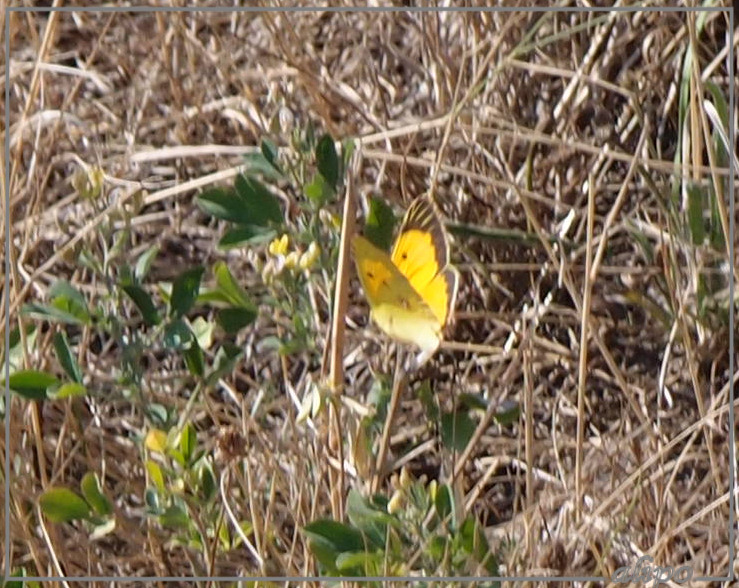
328 539
444 501
223 203
155 473
61 505
245 235
232 320
143 263
328 161
380 223
203 332
371 521
50 313
31 384
68 390
319 191
185 290
358 563
194 358
94 496
265 161
207 479
261 207
188 442
144 303
66 357
174 517
457 429
471 401
227 284
226 358
508 413
178 336
68 299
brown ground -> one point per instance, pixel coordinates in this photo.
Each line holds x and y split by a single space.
521 110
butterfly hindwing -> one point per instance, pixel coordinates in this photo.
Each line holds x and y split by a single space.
396 306
441 292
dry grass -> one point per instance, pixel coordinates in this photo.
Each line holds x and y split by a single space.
562 127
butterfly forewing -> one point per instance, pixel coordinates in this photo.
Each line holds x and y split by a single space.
421 240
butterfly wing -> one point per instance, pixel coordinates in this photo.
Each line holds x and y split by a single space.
421 254
397 307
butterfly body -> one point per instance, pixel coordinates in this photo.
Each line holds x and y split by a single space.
411 292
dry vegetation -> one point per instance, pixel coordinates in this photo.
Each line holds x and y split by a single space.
541 123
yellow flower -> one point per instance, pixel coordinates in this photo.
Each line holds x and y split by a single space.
396 503
278 246
308 258
292 260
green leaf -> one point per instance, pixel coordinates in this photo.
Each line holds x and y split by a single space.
51 314
509 413
194 358
471 401
68 299
155 474
151 499
188 442
203 332
358 563
371 521
94 496
207 481
224 362
260 206
380 223
178 336
68 390
328 539
327 161
232 320
472 540
457 429
65 356
228 285
318 191
144 303
31 384
223 203
61 505
158 414
265 162
444 501
245 235
185 290
143 263
271 153
174 517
